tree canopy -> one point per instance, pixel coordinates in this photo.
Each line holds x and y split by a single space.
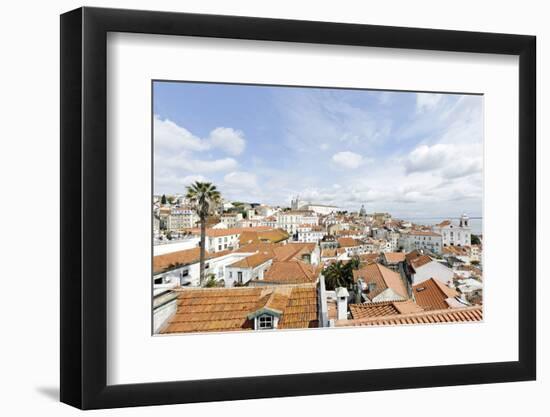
204 197
340 274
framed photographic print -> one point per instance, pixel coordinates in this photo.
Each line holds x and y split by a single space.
259 207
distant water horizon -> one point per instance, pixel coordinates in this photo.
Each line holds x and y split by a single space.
476 223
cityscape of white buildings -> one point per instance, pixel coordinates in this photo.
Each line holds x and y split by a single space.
256 253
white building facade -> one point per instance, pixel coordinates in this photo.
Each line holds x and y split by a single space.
181 218
310 233
455 235
289 221
418 239
434 270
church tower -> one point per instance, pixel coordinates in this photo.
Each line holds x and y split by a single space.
464 220
294 203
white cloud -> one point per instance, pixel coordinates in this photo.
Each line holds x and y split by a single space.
427 158
463 168
446 160
170 137
427 101
227 139
198 165
346 159
241 179
312 118
190 179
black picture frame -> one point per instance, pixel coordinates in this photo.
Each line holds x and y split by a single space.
84 207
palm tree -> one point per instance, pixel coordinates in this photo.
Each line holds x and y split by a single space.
204 197
336 275
340 274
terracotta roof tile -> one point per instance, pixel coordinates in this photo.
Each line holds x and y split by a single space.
348 242
252 261
359 311
431 294
281 252
382 277
467 314
420 261
227 309
413 255
394 257
291 272
255 236
369 257
165 262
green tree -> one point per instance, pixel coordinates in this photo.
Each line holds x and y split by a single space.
476 240
211 282
204 197
340 274
163 199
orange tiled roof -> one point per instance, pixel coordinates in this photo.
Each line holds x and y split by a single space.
388 308
420 261
256 236
456 315
280 252
394 257
413 254
431 294
252 261
163 263
227 309
368 257
291 272
456 250
348 242
382 277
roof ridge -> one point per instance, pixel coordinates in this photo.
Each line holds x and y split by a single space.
425 313
442 287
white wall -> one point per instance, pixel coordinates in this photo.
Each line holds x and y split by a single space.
176 246
248 273
435 270
29 164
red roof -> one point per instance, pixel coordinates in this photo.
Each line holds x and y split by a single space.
456 315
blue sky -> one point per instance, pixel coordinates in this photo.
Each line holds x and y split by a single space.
413 154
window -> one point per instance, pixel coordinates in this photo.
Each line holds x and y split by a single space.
240 277
265 322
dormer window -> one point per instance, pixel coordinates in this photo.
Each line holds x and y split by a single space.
265 322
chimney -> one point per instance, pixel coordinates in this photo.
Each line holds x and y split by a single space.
342 295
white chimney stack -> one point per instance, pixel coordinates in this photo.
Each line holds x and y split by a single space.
342 295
